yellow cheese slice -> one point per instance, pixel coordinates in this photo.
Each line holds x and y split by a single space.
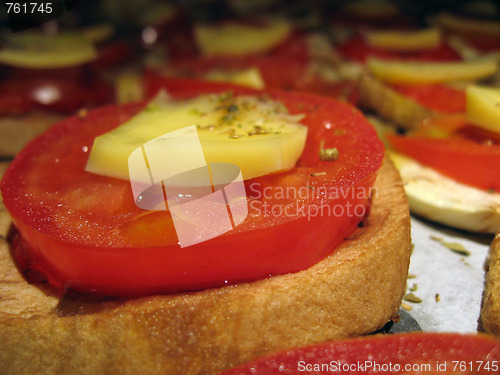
256 134
483 107
249 77
411 72
404 41
42 51
240 39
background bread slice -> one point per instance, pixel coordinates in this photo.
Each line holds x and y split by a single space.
354 291
490 313
388 103
17 130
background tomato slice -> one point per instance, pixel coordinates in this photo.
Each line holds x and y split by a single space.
436 97
415 353
286 67
85 232
461 159
60 90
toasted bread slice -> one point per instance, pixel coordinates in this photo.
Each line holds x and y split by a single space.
354 291
490 313
17 130
389 104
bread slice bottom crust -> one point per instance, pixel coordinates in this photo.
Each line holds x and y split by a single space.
354 291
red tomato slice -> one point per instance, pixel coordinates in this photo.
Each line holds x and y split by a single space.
414 353
295 46
112 54
14 103
462 159
356 49
58 90
277 71
483 43
85 231
436 97
183 87
284 67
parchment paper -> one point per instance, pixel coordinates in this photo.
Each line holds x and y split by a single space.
458 280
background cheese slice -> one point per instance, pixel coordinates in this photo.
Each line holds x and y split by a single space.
41 51
240 39
483 107
395 71
404 41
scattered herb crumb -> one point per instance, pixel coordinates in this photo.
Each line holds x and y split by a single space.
328 154
411 276
318 174
414 288
437 297
464 262
229 132
207 127
453 246
152 107
338 131
82 113
457 248
410 297
406 306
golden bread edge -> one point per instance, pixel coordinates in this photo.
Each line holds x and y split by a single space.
354 291
490 312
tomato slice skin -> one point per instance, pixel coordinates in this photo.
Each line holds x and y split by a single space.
413 353
461 159
85 232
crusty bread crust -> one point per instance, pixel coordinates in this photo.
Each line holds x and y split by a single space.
389 104
354 291
490 313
